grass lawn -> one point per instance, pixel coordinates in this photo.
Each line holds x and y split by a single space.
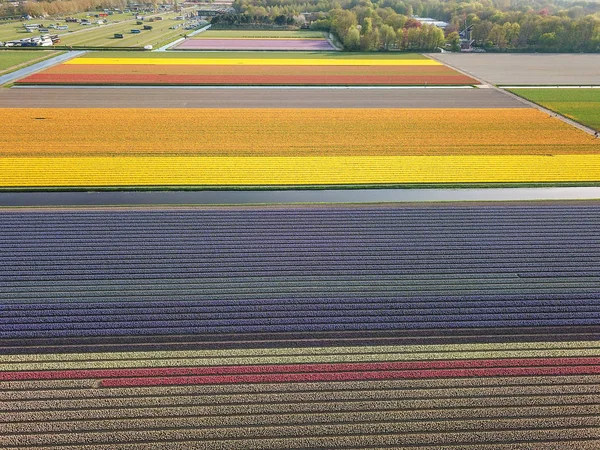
11 58
246 34
581 105
257 54
103 35
14 30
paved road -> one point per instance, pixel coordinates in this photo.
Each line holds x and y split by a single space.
132 198
253 98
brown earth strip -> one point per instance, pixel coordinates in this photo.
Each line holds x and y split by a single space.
54 421
407 384
164 97
167 79
412 421
227 407
363 388
346 442
411 433
527 68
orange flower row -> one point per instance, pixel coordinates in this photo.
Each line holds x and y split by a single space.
288 132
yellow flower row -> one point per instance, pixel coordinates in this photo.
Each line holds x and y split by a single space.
201 358
288 132
244 171
253 62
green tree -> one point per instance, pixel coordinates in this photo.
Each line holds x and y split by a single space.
352 40
387 36
453 39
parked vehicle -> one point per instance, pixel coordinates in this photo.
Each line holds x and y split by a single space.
135 31
147 27
119 36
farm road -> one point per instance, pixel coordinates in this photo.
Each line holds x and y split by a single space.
526 68
166 97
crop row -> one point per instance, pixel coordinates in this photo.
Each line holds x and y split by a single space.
249 364
289 132
401 319
108 309
356 71
241 80
309 368
398 352
351 376
208 43
243 171
166 328
261 61
573 433
249 69
143 56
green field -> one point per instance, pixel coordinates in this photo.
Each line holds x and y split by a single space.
255 54
13 59
15 30
247 34
581 105
103 35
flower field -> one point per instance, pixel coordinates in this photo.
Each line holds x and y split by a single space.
250 68
256 40
255 44
581 105
241 147
300 326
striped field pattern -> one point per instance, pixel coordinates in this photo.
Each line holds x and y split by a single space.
444 326
290 147
308 68
256 40
313 44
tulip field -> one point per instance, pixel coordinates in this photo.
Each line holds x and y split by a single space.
290 326
176 273
242 147
249 68
256 40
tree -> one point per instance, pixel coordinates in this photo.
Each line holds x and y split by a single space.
453 39
352 40
387 36
548 40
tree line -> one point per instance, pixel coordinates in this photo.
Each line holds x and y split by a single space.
57 7
496 25
368 25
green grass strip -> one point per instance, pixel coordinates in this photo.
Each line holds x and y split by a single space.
17 59
580 105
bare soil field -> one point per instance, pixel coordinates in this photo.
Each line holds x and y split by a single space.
527 69
253 98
